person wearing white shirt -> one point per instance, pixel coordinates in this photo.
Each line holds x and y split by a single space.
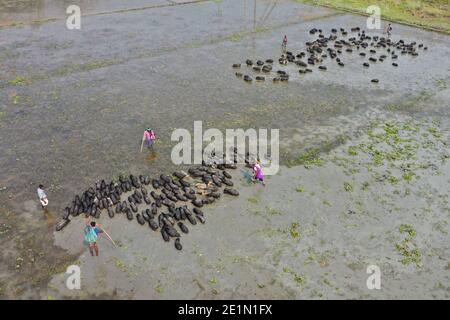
42 196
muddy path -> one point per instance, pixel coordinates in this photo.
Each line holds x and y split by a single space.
74 104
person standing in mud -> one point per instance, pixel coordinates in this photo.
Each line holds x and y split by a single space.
388 29
150 137
91 235
258 173
284 44
42 196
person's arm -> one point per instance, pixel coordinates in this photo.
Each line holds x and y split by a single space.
88 220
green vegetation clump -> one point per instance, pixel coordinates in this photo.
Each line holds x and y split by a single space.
293 230
408 250
298 278
120 265
406 228
365 186
213 280
407 176
409 254
389 146
393 179
435 132
252 200
159 289
308 159
18 81
352 150
348 187
274 212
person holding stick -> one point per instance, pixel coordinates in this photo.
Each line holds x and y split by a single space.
149 137
91 235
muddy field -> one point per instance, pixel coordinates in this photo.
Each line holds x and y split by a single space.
365 175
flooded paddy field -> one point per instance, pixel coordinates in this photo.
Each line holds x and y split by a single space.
364 177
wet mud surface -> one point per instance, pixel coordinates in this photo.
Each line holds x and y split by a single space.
74 105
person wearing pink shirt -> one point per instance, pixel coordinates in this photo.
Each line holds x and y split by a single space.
150 137
258 173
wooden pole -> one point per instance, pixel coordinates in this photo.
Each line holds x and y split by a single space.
142 143
110 238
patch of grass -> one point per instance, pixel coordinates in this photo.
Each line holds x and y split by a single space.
348 187
18 81
433 14
16 99
408 250
311 256
441 84
326 203
274 212
120 265
407 176
308 159
238 36
298 278
159 289
17 24
393 179
300 189
57 45
213 280
75 68
352 150
321 258
252 200
365 186
393 107
435 132
391 145
293 230
406 228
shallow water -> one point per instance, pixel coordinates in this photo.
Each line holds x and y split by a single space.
301 236
29 11
73 104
